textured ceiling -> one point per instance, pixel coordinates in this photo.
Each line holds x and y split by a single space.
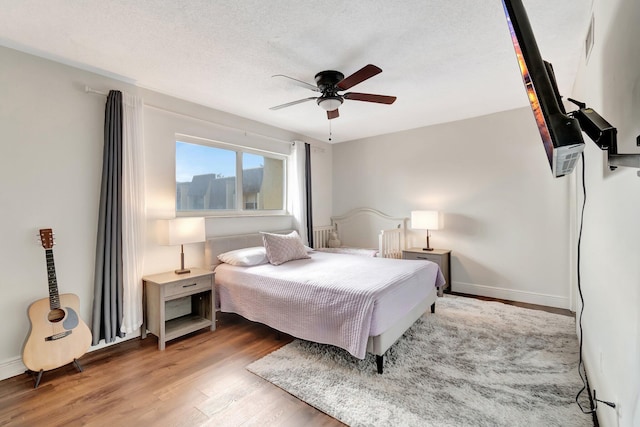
444 59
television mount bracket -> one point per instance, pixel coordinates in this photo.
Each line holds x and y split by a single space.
603 135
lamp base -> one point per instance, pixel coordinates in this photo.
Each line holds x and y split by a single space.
428 248
182 270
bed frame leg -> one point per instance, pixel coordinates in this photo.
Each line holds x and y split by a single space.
379 363
433 307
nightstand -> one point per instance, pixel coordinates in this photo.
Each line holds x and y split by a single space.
166 295
442 257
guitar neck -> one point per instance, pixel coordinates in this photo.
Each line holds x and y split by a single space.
54 297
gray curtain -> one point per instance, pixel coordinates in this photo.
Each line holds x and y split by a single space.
108 290
307 178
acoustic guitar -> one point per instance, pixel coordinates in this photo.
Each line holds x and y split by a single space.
58 335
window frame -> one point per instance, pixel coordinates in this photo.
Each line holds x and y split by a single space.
239 150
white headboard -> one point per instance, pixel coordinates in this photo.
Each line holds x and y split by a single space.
360 227
215 246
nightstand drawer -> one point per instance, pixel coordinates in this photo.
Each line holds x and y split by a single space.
433 258
188 286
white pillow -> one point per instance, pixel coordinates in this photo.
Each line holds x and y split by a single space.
283 247
245 257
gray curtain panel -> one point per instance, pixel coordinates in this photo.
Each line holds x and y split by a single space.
108 288
307 168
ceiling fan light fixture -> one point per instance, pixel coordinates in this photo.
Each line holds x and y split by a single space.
330 103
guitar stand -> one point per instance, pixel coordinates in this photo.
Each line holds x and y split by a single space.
41 371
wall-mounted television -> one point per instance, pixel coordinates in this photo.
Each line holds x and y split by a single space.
560 133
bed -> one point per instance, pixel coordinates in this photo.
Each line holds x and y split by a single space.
361 304
365 231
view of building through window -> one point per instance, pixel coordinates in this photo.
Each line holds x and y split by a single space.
207 178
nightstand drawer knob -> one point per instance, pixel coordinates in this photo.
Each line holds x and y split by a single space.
188 286
422 257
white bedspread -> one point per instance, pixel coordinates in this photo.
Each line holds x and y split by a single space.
329 298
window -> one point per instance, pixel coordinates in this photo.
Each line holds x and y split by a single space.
207 179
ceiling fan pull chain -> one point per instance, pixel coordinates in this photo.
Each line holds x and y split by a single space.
330 131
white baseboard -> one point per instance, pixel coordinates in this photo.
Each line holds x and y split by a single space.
512 295
13 367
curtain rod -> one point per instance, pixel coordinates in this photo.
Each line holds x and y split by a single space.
88 89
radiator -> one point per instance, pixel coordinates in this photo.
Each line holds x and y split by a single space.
391 243
321 235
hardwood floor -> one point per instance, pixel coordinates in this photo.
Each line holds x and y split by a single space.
199 380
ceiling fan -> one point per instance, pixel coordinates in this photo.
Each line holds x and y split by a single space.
330 82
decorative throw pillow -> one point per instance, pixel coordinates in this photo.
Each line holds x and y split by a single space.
281 248
245 257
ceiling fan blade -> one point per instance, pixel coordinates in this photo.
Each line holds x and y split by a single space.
359 76
369 97
333 114
299 82
289 104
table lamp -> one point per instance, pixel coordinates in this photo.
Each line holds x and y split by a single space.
180 231
425 220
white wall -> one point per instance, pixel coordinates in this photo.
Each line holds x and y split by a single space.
51 166
509 223
610 84
50 170
506 219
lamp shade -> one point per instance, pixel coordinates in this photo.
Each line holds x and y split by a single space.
425 220
329 103
179 231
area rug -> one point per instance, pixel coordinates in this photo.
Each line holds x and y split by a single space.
472 363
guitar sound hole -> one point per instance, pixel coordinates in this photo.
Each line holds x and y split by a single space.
56 315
